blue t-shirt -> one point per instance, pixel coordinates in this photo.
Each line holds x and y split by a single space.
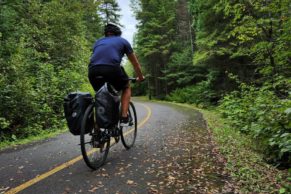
109 51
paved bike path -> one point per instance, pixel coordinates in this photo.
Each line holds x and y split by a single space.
160 162
23 163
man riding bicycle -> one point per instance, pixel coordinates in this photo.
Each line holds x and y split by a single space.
105 62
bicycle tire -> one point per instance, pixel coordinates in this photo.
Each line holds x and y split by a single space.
94 157
128 134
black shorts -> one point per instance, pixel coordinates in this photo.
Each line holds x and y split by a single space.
116 76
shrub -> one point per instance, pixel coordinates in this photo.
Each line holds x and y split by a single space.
266 118
199 94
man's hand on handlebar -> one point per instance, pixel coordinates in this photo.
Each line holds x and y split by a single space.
140 79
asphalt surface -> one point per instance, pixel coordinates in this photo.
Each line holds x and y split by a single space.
173 153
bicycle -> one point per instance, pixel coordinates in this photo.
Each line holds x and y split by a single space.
98 139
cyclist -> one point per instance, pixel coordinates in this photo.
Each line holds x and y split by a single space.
105 61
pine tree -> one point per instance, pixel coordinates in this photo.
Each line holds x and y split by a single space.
109 9
155 39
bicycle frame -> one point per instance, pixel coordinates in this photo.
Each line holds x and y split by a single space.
99 138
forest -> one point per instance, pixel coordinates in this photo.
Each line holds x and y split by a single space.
231 56
44 53
234 55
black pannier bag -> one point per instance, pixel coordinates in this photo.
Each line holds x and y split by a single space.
75 105
107 107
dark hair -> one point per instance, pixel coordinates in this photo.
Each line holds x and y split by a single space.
112 29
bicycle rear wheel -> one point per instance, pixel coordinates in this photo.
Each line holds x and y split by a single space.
94 143
128 134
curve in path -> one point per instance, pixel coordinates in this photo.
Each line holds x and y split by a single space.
173 153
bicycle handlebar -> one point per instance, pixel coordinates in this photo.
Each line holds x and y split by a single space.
133 80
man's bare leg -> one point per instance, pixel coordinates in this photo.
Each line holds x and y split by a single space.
125 99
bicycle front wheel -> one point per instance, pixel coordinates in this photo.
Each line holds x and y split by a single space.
128 134
94 145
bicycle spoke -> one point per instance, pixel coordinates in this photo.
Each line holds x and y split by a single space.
128 134
93 156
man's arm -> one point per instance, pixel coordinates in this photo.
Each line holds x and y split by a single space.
137 68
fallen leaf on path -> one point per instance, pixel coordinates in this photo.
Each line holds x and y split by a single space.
152 190
171 178
131 182
4 189
67 190
93 189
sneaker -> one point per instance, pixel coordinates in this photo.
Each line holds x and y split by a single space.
124 121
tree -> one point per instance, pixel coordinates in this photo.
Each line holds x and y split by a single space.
155 38
44 54
109 9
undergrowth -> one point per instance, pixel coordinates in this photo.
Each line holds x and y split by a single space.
39 135
247 167
262 116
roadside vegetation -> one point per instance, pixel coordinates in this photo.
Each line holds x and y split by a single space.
244 159
44 53
34 137
231 56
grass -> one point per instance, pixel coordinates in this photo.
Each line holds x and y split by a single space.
32 138
246 166
142 98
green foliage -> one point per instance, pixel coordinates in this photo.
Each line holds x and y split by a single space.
246 166
251 41
259 113
109 10
155 40
286 188
248 39
180 71
45 48
199 94
137 89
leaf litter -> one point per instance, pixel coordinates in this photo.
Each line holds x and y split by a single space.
187 164
181 159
